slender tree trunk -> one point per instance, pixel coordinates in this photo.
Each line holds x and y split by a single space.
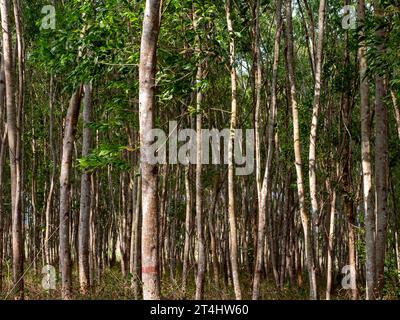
65 193
3 144
266 184
348 202
147 70
231 169
84 215
395 229
331 239
312 156
366 160
201 263
50 196
396 110
134 181
20 55
14 148
381 159
137 227
257 70
188 228
305 219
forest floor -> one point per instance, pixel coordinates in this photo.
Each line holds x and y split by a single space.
113 286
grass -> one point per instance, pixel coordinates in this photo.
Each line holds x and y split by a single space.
113 286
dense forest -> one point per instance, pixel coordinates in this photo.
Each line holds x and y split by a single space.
199 149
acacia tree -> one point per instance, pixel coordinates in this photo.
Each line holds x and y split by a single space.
14 150
257 76
305 219
65 192
312 161
200 277
231 173
266 184
84 214
366 159
147 69
381 156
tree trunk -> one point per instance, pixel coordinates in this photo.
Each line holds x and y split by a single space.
348 202
50 196
297 151
231 169
147 70
84 214
366 160
188 228
266 183
396 110
331 236
65 193
14 148
201 263
136 238
381 159
3 144
312 156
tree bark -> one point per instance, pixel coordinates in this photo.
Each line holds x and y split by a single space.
84 214
305 219
331 239
396 110
312 160
381 159
366 160
147 70
348 202
266 183
201 263
231 169
65 193
50 196
3 144
188 228
14 148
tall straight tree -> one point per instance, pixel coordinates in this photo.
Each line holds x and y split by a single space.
84 214
366 159
201 264
312 155
65 193
257 75
231 169
266 184
381 156
147 71
305 219
14 148
50 195
348 202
